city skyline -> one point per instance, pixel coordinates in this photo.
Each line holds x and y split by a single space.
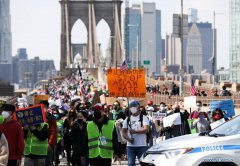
37 27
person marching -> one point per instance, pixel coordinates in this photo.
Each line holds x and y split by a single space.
14 134
102 138
135 129
36 144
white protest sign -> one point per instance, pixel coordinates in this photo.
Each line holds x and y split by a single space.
174 119
217 123
158 116
190 102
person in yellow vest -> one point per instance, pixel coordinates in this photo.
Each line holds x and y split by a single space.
102 138
36 144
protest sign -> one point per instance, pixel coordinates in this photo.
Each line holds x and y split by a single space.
30 115
190 102
103 99
111 100
226 106
174 119
158 116
128 83
217 123
38 98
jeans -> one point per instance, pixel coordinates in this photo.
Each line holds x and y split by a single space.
132 152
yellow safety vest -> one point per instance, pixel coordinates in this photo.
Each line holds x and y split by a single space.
59 126
35 146
94 144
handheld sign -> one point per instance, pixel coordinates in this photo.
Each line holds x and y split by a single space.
30 115
128 83
226 106
174 119
190 102
158 116
38 98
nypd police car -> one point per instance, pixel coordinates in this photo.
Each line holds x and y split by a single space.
220 147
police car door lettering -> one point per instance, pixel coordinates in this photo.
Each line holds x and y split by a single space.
212 148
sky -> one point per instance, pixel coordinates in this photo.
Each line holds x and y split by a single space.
36 25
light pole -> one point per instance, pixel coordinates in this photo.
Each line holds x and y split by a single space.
137 48
112 38
146 59
214 55
181 58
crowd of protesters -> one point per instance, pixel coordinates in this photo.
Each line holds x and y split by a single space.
174 90
91 133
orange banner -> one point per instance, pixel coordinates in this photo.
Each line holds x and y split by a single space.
129 83
38 98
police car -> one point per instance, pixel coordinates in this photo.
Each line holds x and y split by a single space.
220 147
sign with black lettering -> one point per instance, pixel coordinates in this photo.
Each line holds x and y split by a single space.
128 83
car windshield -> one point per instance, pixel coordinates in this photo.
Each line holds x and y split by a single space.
231 127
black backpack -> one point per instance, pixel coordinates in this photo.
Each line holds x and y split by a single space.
141 121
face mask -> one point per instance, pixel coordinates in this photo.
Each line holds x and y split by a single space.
168 112
198 108
201 116
80 120
182 110
133 110
162 108
56 116
5 114
97 114
217 117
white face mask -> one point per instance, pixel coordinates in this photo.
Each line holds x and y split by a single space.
162 108
133 110
5 114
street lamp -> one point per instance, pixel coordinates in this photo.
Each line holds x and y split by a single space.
146 59
137 48
214 55
181 58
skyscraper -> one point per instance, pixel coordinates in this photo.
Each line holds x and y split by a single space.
142 33
234 37
5 41
194 49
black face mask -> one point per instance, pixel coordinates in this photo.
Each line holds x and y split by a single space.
97 114
71 114
80 121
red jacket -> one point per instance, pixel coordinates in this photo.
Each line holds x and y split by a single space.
15 137
52 130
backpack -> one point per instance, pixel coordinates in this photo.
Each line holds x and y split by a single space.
141 121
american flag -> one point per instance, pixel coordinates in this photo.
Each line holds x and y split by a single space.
124 66
193 90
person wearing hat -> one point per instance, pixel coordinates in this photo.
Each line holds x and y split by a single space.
135 129
101 138
14 134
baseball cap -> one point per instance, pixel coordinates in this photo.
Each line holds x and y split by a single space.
134 103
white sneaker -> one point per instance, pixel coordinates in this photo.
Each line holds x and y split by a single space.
60 157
